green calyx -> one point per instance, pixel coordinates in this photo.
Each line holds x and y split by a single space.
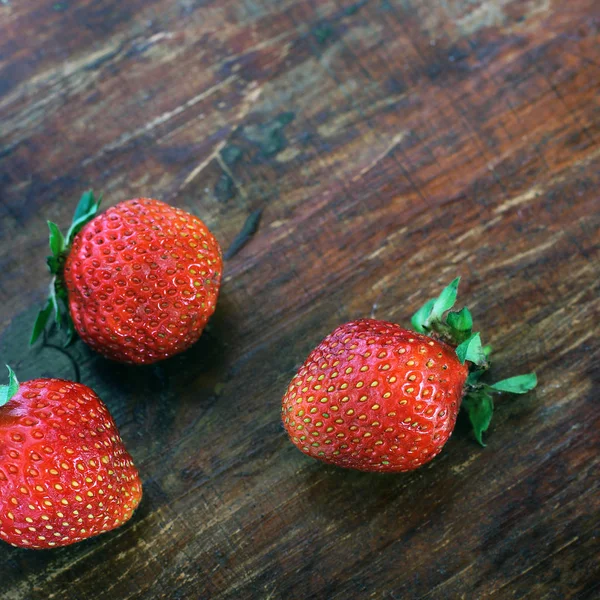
436 319
60 245
8 391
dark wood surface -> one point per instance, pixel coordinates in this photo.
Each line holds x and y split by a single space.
391 145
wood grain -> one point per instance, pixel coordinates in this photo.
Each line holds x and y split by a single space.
391 145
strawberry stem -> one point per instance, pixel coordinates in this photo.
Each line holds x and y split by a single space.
60 245
436 319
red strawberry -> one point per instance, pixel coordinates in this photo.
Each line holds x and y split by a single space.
65 474
140 280
376 397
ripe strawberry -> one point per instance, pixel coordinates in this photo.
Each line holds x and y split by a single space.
376 397
65 474
140 281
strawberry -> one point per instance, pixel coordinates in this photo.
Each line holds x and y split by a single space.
373 396
65 474
138 283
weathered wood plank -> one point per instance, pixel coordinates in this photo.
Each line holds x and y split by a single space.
391 144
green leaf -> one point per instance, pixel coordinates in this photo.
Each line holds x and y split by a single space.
461 320
471 350
53 263
40 322
520 384
86 210
445 301
480 408
420 317
69 325
86 203
8 391
53 300
487 350
474 376
57 240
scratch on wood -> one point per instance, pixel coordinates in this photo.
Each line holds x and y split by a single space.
377 252
103 58
580 340
475 231
532 251
148 127
534 192
433 592
198 169
536 564
223 164
491 13
288 154
487 14
393 143
460 468
339 122
538 190
250 99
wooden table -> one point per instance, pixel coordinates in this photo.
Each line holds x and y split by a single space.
391 145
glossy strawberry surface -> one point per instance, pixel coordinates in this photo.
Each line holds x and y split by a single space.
142 281
375 397
65 474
